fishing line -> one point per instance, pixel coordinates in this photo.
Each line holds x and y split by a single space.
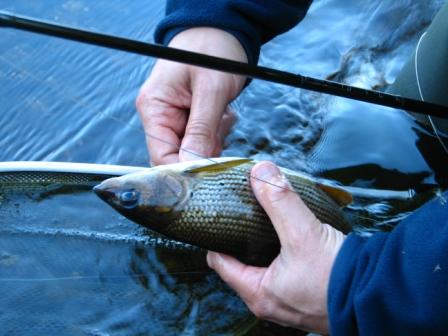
86 105
216 63
421 94
221 64
72 97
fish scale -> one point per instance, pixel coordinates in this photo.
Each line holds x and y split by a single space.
240 225
212 205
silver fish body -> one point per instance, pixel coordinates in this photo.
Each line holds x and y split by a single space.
211 205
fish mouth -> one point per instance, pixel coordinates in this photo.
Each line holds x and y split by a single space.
103 192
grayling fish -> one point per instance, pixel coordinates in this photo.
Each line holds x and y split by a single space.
210 204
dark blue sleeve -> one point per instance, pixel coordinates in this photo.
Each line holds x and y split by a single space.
252 22
394 283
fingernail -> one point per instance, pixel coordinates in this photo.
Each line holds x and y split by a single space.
213 259
269 181
266 172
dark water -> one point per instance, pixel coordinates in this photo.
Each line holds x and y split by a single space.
69 265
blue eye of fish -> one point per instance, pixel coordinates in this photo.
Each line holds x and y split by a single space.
129 197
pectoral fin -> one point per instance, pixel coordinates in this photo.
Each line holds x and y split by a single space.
340 196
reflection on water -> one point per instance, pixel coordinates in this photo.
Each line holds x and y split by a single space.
70 267
105 287
65 101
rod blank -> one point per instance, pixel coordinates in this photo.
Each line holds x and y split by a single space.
221 64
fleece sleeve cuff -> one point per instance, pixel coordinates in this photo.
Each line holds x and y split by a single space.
252 22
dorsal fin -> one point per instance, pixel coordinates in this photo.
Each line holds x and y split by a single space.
217 166
339 195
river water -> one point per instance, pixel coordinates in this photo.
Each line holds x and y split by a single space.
71 266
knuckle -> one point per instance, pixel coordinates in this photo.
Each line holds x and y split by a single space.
261 306
155 158
144 101
200 129
213 83
153 98
140 101
230 115
218 86
261 309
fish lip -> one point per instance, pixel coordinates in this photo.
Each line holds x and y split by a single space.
102 192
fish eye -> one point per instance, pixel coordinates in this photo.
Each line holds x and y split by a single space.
129 197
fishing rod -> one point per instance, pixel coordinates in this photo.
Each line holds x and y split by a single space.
221 64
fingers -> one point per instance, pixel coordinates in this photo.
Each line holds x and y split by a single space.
209 102
163 144
227 121
201 95
291 218
293 290
163 126
211 90
163 106
164 120
244 279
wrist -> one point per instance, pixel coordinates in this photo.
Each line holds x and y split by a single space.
210 41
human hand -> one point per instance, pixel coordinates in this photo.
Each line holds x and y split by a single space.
184 106
292 291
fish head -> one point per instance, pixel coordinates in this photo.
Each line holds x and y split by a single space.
151 198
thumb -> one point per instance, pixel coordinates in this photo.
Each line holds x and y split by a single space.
291 218
201 133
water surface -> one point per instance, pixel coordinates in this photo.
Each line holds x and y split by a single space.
69 265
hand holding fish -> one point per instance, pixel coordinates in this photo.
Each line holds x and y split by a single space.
292 291
187 106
